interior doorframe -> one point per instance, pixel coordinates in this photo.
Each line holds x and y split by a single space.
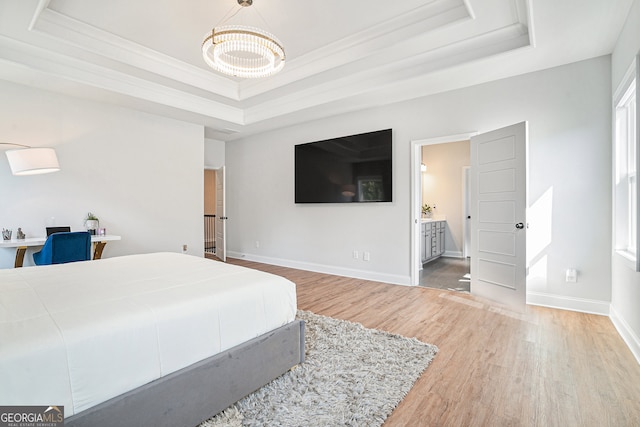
218 215
213 169
416 189
466 211
221 216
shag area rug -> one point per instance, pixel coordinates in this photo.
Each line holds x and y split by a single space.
352 376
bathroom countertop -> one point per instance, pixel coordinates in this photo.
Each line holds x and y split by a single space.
435 218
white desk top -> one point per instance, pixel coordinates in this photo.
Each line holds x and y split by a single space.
39 241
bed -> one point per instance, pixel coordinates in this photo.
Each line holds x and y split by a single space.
154 339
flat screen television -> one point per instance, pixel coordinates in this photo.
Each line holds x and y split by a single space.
350 169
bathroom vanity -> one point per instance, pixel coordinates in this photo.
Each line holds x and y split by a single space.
431 239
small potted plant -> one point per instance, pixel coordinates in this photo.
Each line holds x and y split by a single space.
91 223
426 210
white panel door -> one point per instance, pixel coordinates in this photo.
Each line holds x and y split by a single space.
221 216
498 215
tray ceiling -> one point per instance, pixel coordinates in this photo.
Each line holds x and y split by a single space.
341 56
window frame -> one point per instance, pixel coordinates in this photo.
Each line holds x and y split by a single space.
626 195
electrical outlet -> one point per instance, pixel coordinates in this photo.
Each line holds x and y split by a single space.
257 244
355 255
367 256
184 249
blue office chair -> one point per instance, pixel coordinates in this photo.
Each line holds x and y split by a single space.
61 248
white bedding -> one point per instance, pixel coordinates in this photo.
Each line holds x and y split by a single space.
79 334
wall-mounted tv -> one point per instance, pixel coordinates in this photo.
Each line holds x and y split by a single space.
350 169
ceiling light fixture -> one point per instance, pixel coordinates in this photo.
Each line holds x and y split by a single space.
243 51
31 160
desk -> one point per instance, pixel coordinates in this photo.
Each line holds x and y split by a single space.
21 245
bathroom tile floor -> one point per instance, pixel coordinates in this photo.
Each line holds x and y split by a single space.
446 273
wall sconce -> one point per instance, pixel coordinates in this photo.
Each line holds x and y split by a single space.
31 160
423 167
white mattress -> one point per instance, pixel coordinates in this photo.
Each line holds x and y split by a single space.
79 334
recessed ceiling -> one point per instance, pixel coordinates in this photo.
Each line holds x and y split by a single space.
341 55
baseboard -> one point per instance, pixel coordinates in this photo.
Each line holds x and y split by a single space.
452 254
568 303
625 331
326 269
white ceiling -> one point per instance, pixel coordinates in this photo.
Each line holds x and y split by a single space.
341 55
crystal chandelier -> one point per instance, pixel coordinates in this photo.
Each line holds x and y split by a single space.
243 51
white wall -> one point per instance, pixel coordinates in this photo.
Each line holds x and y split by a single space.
142 175
625 282
568 109
213 153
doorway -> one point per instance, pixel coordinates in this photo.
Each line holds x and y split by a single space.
498 205
214 214
442 185
209 213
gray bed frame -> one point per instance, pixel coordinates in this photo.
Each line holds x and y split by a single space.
193 394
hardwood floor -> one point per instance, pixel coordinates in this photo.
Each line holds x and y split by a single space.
495 367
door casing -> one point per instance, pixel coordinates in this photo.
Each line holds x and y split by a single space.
416 188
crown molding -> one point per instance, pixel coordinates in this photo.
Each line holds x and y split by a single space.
393 74
376 40
79 71
426 18
394 60
102 43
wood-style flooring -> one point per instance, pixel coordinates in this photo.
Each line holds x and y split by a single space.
495 368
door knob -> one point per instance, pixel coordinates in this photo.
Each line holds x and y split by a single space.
519 226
